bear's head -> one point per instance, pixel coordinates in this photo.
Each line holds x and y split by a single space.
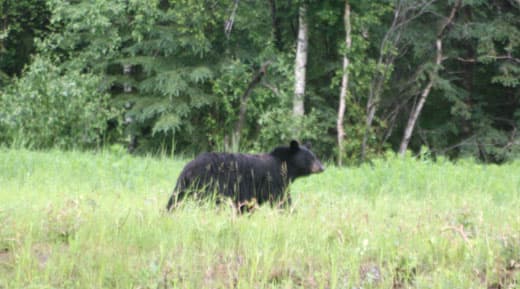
300 160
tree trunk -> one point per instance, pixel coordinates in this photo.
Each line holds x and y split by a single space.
418 107
231 20
301 63
243 106
275 24
404 12
344 84
127 71
384 64
129 121
416 111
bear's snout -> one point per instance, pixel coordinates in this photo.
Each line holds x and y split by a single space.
317 167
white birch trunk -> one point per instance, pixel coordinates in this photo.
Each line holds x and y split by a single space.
416 111
127 88
404 12
418 108
344 84
301 63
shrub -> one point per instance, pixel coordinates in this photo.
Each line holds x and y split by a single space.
48 107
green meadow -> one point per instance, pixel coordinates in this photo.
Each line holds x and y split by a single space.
97 220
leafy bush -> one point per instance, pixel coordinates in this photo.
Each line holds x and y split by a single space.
48 107
278 126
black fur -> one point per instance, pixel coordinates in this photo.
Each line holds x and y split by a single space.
244 177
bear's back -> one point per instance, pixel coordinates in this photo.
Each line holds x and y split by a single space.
216 164
233 174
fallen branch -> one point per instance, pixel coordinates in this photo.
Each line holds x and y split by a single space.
458 229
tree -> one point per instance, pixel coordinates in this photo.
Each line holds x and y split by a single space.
20 22
48 108
300 62
344 84
243 104
468 112
432 75
192 76
404 12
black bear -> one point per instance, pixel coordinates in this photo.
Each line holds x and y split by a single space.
246 178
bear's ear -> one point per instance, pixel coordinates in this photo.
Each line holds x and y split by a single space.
294 145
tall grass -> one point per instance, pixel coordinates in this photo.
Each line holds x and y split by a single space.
96 220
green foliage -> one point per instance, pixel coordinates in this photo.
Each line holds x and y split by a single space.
83 35
21 21
278 126
267 104
49 107
176 72
164 45
472 106
366 18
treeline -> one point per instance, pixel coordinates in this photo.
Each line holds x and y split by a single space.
354 77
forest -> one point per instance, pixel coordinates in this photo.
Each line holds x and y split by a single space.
355 78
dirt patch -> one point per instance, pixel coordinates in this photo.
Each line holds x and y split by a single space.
370 273
224 272
5 257
42 253
508 276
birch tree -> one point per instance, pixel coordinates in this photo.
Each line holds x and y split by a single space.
404 12
432 76
344 83
301 62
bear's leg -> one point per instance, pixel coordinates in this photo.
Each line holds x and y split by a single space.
284 202
174 200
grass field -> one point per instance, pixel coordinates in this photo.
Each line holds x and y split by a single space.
96 220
